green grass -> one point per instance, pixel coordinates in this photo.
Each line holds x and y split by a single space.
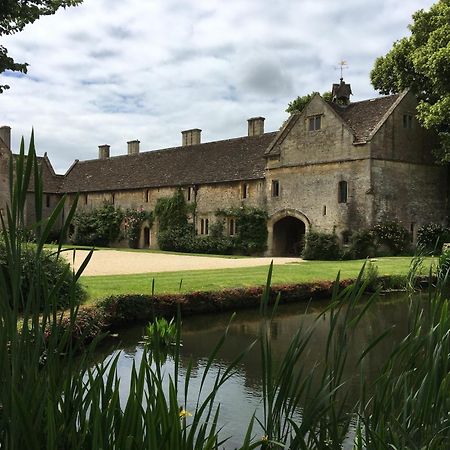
218 279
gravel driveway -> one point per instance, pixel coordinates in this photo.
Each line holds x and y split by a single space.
113 262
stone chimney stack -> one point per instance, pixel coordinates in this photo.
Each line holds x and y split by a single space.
256 126
5 135
191 137
103 151
133 147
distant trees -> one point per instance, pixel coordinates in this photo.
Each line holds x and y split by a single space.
298 105
14 16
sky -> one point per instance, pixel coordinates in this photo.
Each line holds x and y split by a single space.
111 71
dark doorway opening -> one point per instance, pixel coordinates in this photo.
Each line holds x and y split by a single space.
146 237
288 237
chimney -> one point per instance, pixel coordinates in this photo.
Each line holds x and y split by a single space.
133 147
5 136
256 126
191 137
103 151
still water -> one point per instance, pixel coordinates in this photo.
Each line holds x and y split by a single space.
240 397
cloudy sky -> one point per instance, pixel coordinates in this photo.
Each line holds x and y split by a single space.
110 71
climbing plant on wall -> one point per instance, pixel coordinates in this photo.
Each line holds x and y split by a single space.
132 222
172 212
251 225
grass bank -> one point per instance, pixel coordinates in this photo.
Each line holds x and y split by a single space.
218 279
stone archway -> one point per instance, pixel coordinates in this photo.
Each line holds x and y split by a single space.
287 231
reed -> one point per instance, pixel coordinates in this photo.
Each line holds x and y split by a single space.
53 397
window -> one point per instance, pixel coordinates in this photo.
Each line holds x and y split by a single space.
245 190
113 198
47 201
342 194
407 121
189 193
314 123
147 195
324 210
231 227
275 188
204 226
85 199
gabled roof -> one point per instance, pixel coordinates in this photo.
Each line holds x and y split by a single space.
212 162
51 181
364 117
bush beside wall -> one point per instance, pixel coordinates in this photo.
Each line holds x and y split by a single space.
322 246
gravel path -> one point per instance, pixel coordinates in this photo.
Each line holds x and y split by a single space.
113 262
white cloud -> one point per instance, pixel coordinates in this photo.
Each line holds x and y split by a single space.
113 70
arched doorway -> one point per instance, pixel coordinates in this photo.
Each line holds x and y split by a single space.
146 237
288 236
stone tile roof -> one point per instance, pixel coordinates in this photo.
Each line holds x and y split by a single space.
363 117
211 162
51 181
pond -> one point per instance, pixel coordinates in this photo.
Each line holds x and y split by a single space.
241 395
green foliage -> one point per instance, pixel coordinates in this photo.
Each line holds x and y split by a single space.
432 237
97 227
132 222
251 223
172 212
421 62
298 105
14 16
391 238
51 268
177 239
52 397
371 276
160 333
251 230
362 244
321 246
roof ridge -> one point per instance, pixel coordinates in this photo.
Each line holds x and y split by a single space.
167 149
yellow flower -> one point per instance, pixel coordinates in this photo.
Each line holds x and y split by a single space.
183 413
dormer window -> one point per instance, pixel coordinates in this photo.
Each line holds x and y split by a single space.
314 123
407 121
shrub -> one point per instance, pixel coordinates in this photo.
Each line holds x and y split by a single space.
431 237
392 238
321 246
51 267
362 244
99 226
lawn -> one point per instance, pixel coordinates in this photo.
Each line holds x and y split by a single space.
217 279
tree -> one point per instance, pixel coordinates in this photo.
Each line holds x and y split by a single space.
14 16
421 63
298 105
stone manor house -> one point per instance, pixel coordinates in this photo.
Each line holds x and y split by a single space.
337 166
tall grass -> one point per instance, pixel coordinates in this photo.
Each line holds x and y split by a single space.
52 397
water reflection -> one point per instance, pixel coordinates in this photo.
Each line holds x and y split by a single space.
241 396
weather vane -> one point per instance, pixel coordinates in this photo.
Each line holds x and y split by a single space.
342 66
